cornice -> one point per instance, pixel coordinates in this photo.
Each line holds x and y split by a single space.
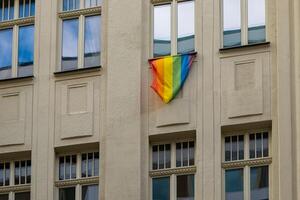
168 172
15 188
243 163
81 181
77 13
18 22
160 1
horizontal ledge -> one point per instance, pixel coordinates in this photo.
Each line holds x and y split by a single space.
243 163
76 13
73 182
75 71
15 188
168 172
19 22
261 44
160 57
17 78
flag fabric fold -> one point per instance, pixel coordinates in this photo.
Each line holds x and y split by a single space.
170 73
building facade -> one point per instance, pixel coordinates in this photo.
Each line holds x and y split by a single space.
79 120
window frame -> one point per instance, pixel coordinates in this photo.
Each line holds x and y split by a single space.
79 181
174 24
247 163
79 14
15 25
244 25
173 171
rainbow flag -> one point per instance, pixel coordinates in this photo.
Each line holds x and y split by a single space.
170 73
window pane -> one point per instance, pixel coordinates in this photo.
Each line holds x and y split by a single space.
11 9
32 8
259 183
90 192
4 197
23 170
70 5
96 164
7 173
162 30
90 164
26 13
258 145
61 168
26 8
92 44
26 50
186 27
22 196
185 154
191 153
234 184
256 21
252 145
1 10
231 23
5 53
161 188
178 155
8 12
1 174
67 193
17 173
28 171
161 156
73 167
234 147
266 144
241 147
83 165
168 156
185 187
227 149
70 44
155 157
68 167
92 3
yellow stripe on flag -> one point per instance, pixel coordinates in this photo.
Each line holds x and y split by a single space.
168 78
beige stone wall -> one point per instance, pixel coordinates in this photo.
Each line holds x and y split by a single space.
114 109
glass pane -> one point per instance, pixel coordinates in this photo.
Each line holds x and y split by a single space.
227 149
185 187
7 173
11 9
1 174
162 30
6 14
17 173
22 196
155 157
185 153
191 153
28 171
258 145
70 44
92 44
90 164
168 156
23 171
70 5
252 145
73 167
26 50
266 144
234 147
5 53
234 184
256 21
67 193
26 8
21 8
161 156
178 155
90 192
231 23
259 183
161 188
32 8
96 164
61 168
1 10
83 165
26 12
68 167
92 3
241 147
3 196
186 27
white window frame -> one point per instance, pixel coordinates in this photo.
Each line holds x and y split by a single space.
247 163
79 182
12 189
174 171
174 23
15 24
79 14
244 22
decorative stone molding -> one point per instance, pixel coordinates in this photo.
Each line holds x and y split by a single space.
160 1
168 172
73 182
77 13
15 188
18 22
243 163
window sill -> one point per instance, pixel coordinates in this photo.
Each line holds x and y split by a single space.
242 47
77 71
17 78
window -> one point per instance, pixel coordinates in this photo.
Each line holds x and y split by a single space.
16 38
17 174
80 34
246 166
78 172
244 22
173 165
165 40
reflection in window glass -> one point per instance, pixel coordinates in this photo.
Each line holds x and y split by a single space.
191 153
4 197
186 27
161 188
23 170
92 46
96 164
70 5
234 184
26 8
155 157
70 44
258 145
6 10
259 183
256 21
162 30
67 193
92 3
90 192
7 173
26 50
231 23
5 53
22 196
185 187
73 167
265 144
